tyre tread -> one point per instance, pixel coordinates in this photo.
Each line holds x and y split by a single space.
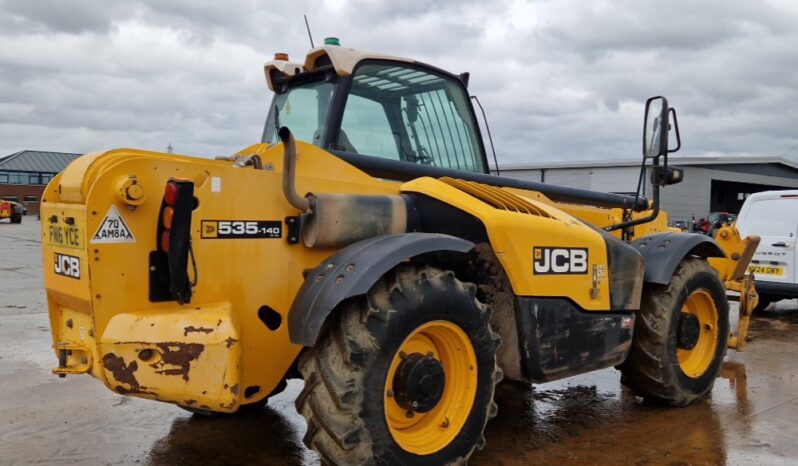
333 369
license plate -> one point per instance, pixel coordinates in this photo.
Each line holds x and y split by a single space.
65 236
774 270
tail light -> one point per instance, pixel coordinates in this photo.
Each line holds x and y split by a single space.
170 261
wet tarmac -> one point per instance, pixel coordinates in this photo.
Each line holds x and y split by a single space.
749 418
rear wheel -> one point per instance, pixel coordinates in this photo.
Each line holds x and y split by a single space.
16 218
403 376
680 337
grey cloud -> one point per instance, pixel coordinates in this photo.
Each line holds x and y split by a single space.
60 16
559 79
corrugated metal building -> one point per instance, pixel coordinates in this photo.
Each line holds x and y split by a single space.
24 175
711 184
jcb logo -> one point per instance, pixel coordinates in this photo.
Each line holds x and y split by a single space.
547 260
68 266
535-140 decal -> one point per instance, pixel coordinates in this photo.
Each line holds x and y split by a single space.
241 229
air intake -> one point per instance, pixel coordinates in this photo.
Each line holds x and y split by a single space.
496 197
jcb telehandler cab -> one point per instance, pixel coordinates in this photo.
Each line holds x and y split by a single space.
364 247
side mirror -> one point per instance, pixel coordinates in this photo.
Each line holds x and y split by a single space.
655 128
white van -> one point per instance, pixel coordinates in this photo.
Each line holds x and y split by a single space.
773 215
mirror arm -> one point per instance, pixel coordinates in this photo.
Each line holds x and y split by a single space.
676 130
654 213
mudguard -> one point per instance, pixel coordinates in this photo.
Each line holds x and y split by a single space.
352 271
662 253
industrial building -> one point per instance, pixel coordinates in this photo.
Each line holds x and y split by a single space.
711 184
23 175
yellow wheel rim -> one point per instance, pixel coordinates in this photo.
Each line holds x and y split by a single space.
695 362
429 432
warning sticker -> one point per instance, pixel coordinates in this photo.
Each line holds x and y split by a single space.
113 229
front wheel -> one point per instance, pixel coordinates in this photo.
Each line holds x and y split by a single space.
680 337
405 375
16 218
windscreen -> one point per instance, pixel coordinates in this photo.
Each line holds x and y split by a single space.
410 114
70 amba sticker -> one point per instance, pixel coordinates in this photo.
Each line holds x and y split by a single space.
241 229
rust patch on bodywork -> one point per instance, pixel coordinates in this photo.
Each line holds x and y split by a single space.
193 329
138 391
229 406
124 373
230 341
179 355
235 389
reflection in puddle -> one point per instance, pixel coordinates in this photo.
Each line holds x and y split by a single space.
603 423
589 419
254 437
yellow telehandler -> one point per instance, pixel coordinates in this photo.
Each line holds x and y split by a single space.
364 247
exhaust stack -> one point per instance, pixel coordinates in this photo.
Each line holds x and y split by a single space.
335 220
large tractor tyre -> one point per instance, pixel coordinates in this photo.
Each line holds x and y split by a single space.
680 337
246 408
16 218
404 375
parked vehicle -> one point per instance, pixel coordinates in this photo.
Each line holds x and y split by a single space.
680 224
11 210
773 215
376 258
713 221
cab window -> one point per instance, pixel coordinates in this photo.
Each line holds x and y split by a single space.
404 113
302 108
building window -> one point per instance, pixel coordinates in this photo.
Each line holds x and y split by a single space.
46 177
14 178
30 198
3 177
11 198
33 178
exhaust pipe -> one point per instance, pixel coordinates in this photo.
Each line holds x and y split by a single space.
336 220
289 171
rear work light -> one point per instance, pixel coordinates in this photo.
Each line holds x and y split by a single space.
169 264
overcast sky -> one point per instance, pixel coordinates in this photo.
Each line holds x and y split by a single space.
560 80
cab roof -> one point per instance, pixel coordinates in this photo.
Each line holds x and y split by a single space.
343 60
